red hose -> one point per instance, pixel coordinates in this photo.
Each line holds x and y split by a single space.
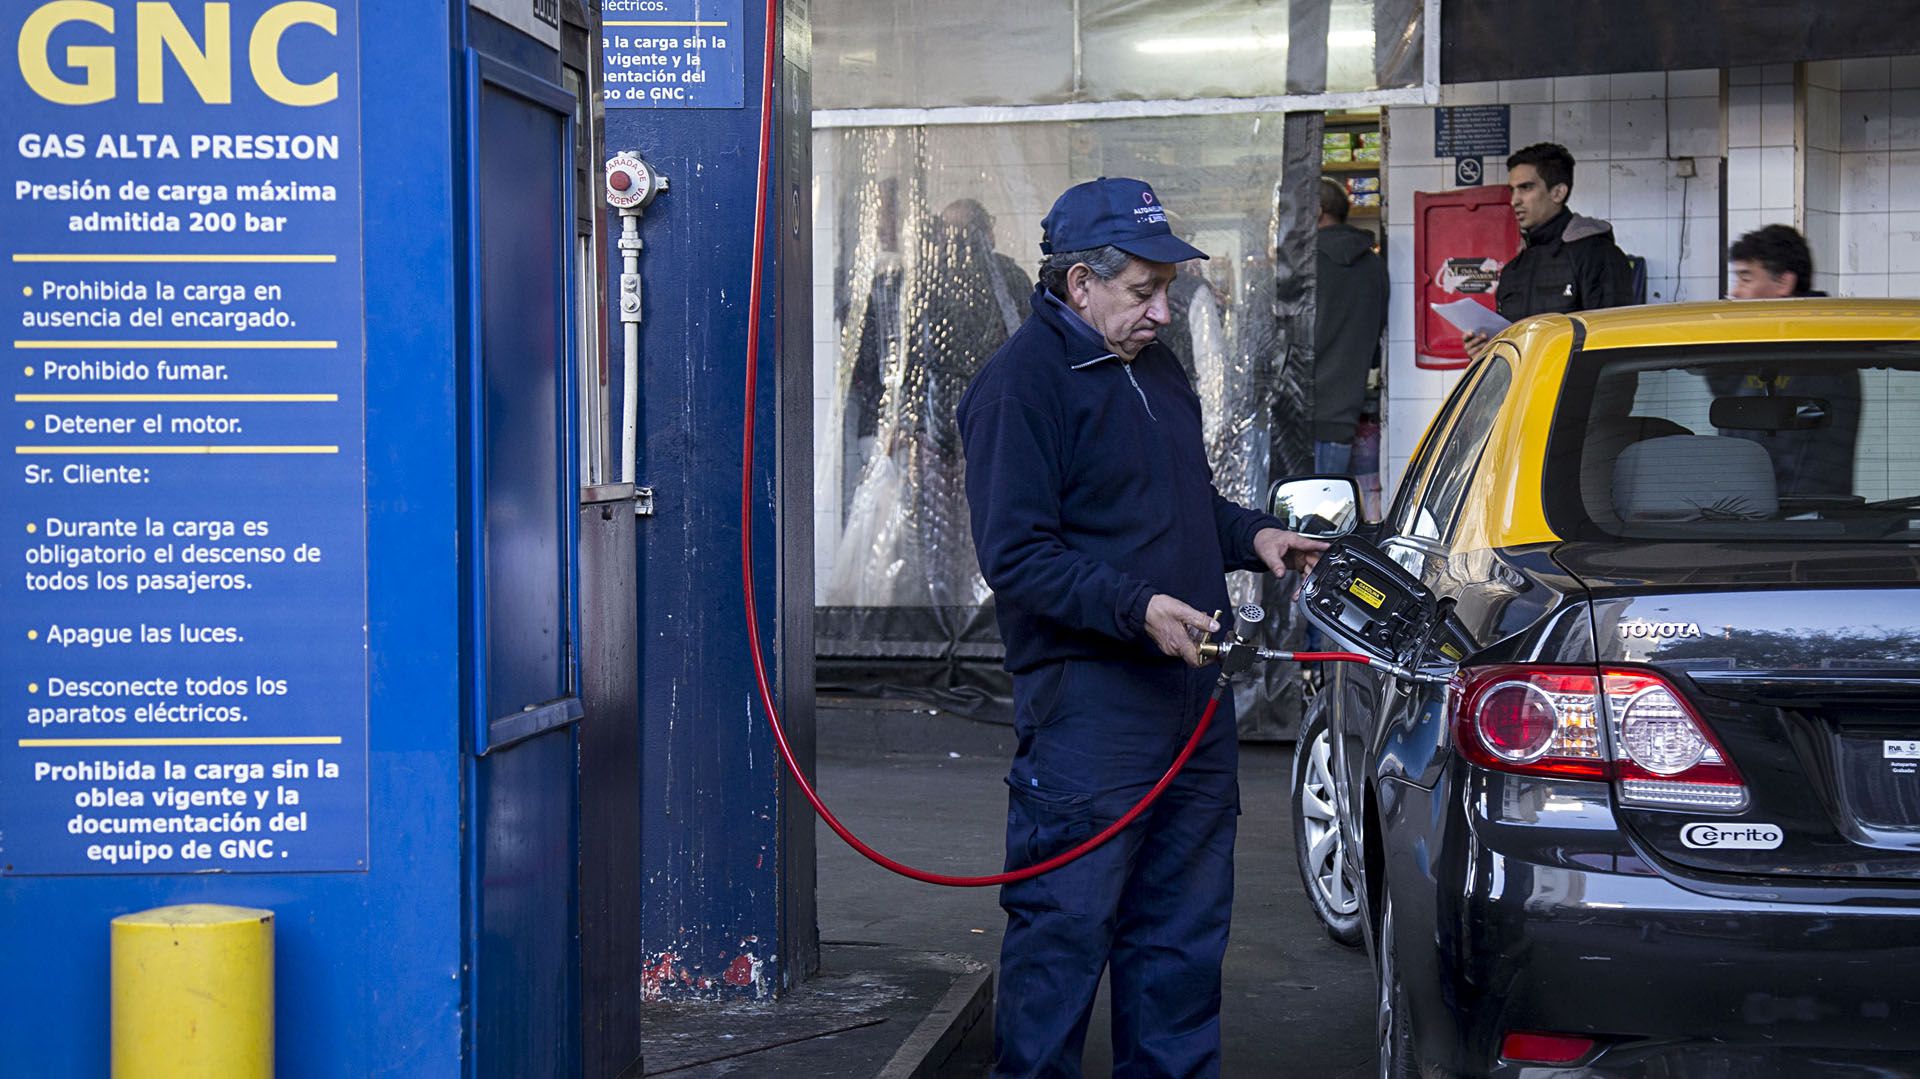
746 572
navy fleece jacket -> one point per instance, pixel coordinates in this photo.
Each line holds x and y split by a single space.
1090 491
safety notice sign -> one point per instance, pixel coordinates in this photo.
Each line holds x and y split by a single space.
183 643
672 54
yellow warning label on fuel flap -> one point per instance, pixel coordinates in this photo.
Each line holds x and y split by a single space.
1372 596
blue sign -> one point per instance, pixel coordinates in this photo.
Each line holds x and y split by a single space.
183 648
672 54
1473 131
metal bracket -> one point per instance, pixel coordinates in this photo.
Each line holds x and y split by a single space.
643 501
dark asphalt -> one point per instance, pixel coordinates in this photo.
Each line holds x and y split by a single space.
1296 1004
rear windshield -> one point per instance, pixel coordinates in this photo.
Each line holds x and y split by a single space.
1816 441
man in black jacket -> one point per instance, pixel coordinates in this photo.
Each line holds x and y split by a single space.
1350 311
1566 262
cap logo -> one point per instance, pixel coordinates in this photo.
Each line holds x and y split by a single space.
1146 196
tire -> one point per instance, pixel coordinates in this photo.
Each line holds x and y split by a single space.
1398 1059
1319 847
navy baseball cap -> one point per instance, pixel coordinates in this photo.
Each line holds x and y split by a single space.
1113 210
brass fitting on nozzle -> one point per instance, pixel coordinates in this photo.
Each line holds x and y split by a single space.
1236 652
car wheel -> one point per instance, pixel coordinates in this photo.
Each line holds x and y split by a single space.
1395 1032
1320 848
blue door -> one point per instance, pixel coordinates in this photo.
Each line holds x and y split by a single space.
523 677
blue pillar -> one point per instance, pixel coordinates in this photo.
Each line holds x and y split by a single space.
728 849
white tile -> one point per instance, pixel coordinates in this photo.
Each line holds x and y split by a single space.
1863 243
1743 116
1743 179
1704 254
1903 180
1407 179
1865 285
1823 241
1531 124
1865 119
1776 73
1693 127
1903 242
1743 76
1400 259
1400 309
1581 88
1410 135
1863 182
1638 189
1903 286
1699 82
1903 120
1695 289
1776 116
1905 71
1866 73
1821 189
1823 118
1639 129
1583 127
1742 221
1637 84
1661 289
1697 195
1824 74
1470 93
1527 92
1777 177
1651 240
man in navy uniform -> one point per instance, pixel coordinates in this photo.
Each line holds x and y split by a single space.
1101 534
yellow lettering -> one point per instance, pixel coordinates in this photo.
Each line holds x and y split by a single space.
263 51
96 60
157 26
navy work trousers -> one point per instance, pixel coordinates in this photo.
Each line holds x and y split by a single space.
1153 902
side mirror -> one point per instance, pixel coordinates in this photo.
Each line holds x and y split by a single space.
1368 603
1321 507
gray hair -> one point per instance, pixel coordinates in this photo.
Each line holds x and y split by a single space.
1105 261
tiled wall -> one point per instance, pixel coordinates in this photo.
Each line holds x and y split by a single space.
1762 137
1862 175
1627 134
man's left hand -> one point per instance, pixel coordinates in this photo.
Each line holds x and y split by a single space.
1283 551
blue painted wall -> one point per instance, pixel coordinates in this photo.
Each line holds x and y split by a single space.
726 858
369 964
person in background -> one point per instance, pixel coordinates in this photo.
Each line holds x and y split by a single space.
1350 314
1567 262
1774 263
1771 263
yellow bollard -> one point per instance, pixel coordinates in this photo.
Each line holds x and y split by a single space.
193 993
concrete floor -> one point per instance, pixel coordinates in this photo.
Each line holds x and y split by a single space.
1295 1002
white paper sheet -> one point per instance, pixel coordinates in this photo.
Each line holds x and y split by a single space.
1471 316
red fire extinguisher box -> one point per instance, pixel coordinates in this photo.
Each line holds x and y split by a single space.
1461 239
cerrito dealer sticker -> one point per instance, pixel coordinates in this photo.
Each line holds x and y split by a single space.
1718 835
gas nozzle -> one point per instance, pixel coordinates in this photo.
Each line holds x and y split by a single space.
1247 620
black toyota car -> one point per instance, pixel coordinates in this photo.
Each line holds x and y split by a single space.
1639 792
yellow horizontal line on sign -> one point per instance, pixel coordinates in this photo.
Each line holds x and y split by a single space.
182 257
125 743
662 22
123 345
177 449
157 398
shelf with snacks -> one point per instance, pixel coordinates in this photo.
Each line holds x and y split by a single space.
1347 136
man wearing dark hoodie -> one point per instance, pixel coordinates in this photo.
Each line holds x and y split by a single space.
1099 528
1566 262
1350 311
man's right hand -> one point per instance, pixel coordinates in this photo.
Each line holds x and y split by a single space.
1176 627
1476 343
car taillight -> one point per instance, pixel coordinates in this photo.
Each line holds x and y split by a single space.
1545 720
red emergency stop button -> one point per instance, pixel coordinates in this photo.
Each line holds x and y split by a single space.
620 180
